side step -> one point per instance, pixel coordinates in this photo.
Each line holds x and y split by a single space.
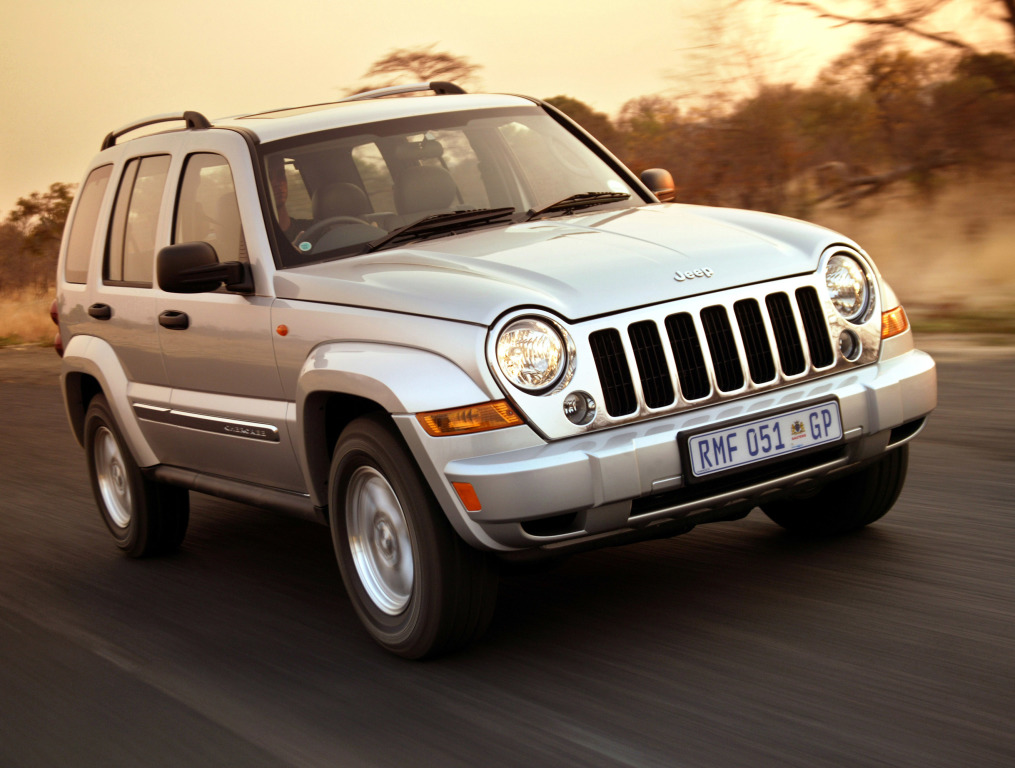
297 504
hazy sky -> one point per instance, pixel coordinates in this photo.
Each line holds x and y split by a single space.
71 71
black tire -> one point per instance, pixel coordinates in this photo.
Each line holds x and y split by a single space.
417 587
145 517
846 504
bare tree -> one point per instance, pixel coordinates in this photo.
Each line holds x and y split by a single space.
912 17
420 64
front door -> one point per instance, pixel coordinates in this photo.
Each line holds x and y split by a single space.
227 415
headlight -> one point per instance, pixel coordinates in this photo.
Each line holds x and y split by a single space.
531 354
848 287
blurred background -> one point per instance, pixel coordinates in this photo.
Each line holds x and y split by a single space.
889 120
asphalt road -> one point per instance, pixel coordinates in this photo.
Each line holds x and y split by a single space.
735 645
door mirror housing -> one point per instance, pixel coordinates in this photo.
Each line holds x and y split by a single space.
195 268
660 183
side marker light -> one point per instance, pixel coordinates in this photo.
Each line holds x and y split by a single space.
468 496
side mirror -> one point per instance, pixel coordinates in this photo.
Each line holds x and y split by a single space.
195 268
660 183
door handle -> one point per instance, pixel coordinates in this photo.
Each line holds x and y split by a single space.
175 320
100 311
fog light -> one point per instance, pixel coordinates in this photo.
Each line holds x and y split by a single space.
580 408
850 346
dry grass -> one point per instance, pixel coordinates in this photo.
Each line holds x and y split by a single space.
946 255
24 318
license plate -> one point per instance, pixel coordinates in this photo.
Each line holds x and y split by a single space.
742 444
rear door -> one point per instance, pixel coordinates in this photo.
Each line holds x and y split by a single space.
122 305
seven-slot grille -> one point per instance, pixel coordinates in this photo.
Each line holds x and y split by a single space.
709 359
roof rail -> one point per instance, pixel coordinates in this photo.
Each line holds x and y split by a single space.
439 87
193 120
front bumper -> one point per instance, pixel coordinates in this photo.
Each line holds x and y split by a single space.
539 494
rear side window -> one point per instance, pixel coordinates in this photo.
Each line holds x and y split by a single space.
82 230
206 209
130 250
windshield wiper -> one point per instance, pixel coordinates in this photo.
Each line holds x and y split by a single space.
439 224
581 200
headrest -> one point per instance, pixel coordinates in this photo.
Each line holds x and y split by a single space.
428 149
339 199
424 188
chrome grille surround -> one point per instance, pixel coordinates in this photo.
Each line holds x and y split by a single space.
701 351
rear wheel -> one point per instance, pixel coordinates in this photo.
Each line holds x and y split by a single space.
145 517
846 504
417 587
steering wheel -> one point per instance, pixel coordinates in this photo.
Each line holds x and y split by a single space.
324 226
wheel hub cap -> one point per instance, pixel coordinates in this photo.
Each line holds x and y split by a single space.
112 478
385 542
379 540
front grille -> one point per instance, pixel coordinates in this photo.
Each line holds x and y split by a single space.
756 344
691 369
725 358
814 324
787 340
715 351
614 375
656 384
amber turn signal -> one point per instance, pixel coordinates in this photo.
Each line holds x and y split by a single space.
893 322
474 418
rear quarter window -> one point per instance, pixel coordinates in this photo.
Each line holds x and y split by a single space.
86 219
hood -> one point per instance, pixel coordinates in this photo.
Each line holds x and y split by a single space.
575 266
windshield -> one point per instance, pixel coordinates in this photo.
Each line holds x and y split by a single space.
380 185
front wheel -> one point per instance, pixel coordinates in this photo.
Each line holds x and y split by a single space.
145 517
846 504
417 587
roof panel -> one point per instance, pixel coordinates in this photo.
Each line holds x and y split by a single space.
295 121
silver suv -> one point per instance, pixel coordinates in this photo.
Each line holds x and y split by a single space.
458 331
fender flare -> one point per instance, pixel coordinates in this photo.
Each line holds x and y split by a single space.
400 380
91 356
